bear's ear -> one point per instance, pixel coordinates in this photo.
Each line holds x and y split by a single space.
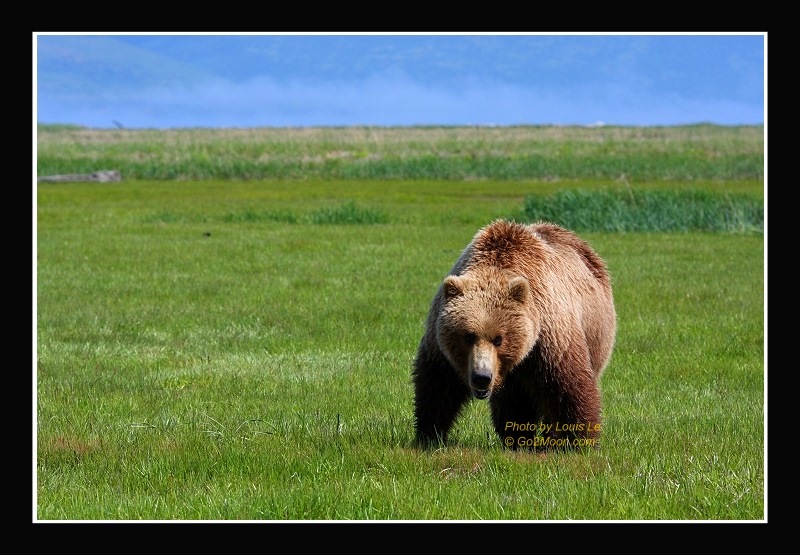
453 287
518 289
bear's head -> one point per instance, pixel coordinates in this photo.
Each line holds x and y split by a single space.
486 327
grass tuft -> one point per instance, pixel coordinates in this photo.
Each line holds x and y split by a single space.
348 213
648 211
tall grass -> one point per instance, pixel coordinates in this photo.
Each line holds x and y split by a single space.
543 153
649 210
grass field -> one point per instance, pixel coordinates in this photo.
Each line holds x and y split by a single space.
240 349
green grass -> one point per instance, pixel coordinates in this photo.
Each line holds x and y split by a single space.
241 350
649 210
684 154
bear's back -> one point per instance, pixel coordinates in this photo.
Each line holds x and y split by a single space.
522 248
501 244
597 312
566 240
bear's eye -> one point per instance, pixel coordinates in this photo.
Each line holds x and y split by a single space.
470 338
497 341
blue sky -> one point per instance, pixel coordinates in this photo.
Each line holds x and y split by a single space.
250 80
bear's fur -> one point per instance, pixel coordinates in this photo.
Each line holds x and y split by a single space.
525 319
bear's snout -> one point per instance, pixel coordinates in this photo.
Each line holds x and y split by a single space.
480 380
481 371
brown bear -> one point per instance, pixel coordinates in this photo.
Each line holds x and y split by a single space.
525 319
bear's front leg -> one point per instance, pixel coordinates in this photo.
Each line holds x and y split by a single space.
514 414
575 410
439 396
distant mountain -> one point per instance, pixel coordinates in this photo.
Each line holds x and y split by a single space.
78 65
